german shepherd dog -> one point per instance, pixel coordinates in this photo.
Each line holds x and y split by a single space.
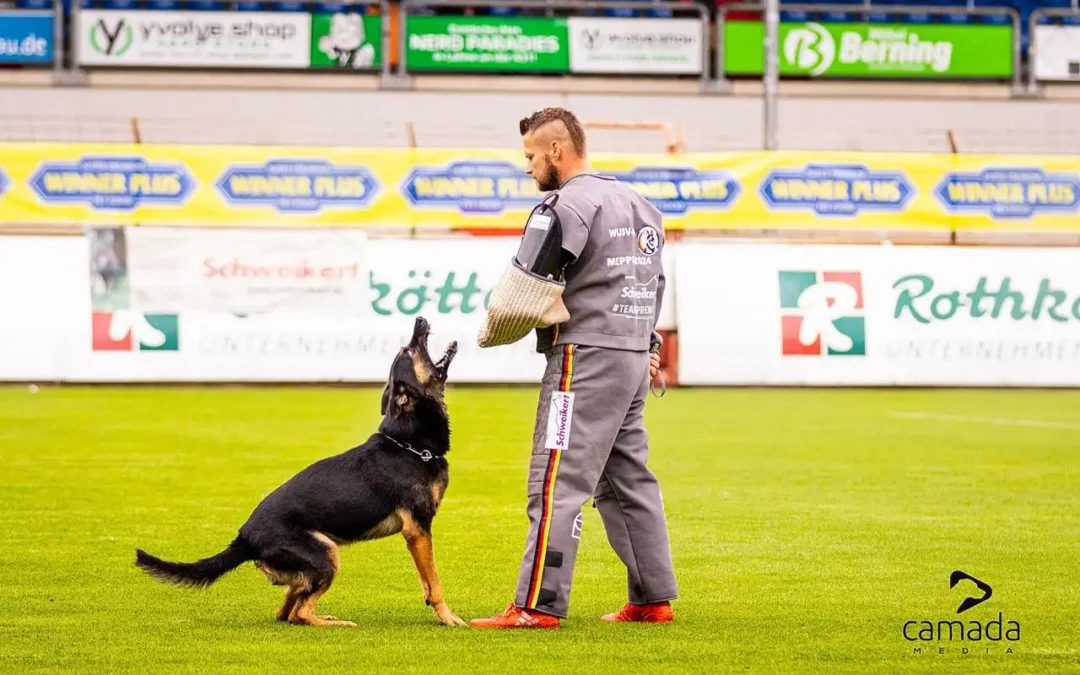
392 483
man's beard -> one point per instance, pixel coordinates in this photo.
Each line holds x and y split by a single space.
549 179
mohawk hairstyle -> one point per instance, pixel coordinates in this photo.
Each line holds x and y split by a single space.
548 115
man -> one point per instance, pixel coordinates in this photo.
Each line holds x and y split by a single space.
590 264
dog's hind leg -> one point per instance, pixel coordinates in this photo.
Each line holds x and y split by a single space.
325 563
292 596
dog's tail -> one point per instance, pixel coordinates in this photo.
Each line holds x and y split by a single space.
197 574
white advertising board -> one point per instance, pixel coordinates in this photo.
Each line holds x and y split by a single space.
878 315
609 45
135 38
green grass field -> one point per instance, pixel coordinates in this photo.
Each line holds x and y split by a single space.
807 528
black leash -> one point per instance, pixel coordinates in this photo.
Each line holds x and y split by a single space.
422 454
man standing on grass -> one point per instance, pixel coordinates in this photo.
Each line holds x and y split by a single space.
588 277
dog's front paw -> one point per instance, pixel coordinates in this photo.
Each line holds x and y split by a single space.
448 618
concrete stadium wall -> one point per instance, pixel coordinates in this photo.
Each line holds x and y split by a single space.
463 118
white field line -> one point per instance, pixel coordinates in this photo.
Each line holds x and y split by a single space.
997 421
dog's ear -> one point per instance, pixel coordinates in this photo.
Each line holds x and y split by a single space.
399 395
385 398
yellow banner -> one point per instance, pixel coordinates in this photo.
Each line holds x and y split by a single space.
488 189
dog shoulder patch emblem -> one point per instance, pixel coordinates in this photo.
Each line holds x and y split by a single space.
560 417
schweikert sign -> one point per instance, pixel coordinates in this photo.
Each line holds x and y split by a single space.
874 50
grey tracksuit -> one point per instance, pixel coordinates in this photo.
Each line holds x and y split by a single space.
590 439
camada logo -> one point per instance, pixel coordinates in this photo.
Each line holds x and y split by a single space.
810 48
822 314
111 39
943 630
127 330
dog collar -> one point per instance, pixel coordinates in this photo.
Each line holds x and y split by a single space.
425 455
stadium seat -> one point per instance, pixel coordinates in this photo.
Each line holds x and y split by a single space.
89 4
206 6
120 4
794 16
1070 20
34 4
956 18
336 8
879 17
163 5
289 6
502 11
918 17
251 6
837 17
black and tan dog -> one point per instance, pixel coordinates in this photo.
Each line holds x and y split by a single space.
392 483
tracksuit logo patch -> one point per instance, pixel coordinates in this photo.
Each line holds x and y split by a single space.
822 313
559 419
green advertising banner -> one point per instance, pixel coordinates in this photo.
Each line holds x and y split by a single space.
346 41
516 44
873 50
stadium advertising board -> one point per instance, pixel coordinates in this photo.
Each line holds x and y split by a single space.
631 46
346 41
518 44
192 332
26 38
1057 53
877 315
245 272
133 38
95 310
221 186
43 282
885 51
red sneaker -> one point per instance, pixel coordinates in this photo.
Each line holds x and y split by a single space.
659 612
516 617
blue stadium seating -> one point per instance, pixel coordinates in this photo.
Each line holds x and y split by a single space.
34 4
252 6
337 8
206 6
288 6
121 4
163 5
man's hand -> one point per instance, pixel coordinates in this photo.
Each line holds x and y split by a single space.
654 364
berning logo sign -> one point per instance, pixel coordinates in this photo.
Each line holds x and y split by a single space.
810 48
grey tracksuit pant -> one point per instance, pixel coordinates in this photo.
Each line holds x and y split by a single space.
590 441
